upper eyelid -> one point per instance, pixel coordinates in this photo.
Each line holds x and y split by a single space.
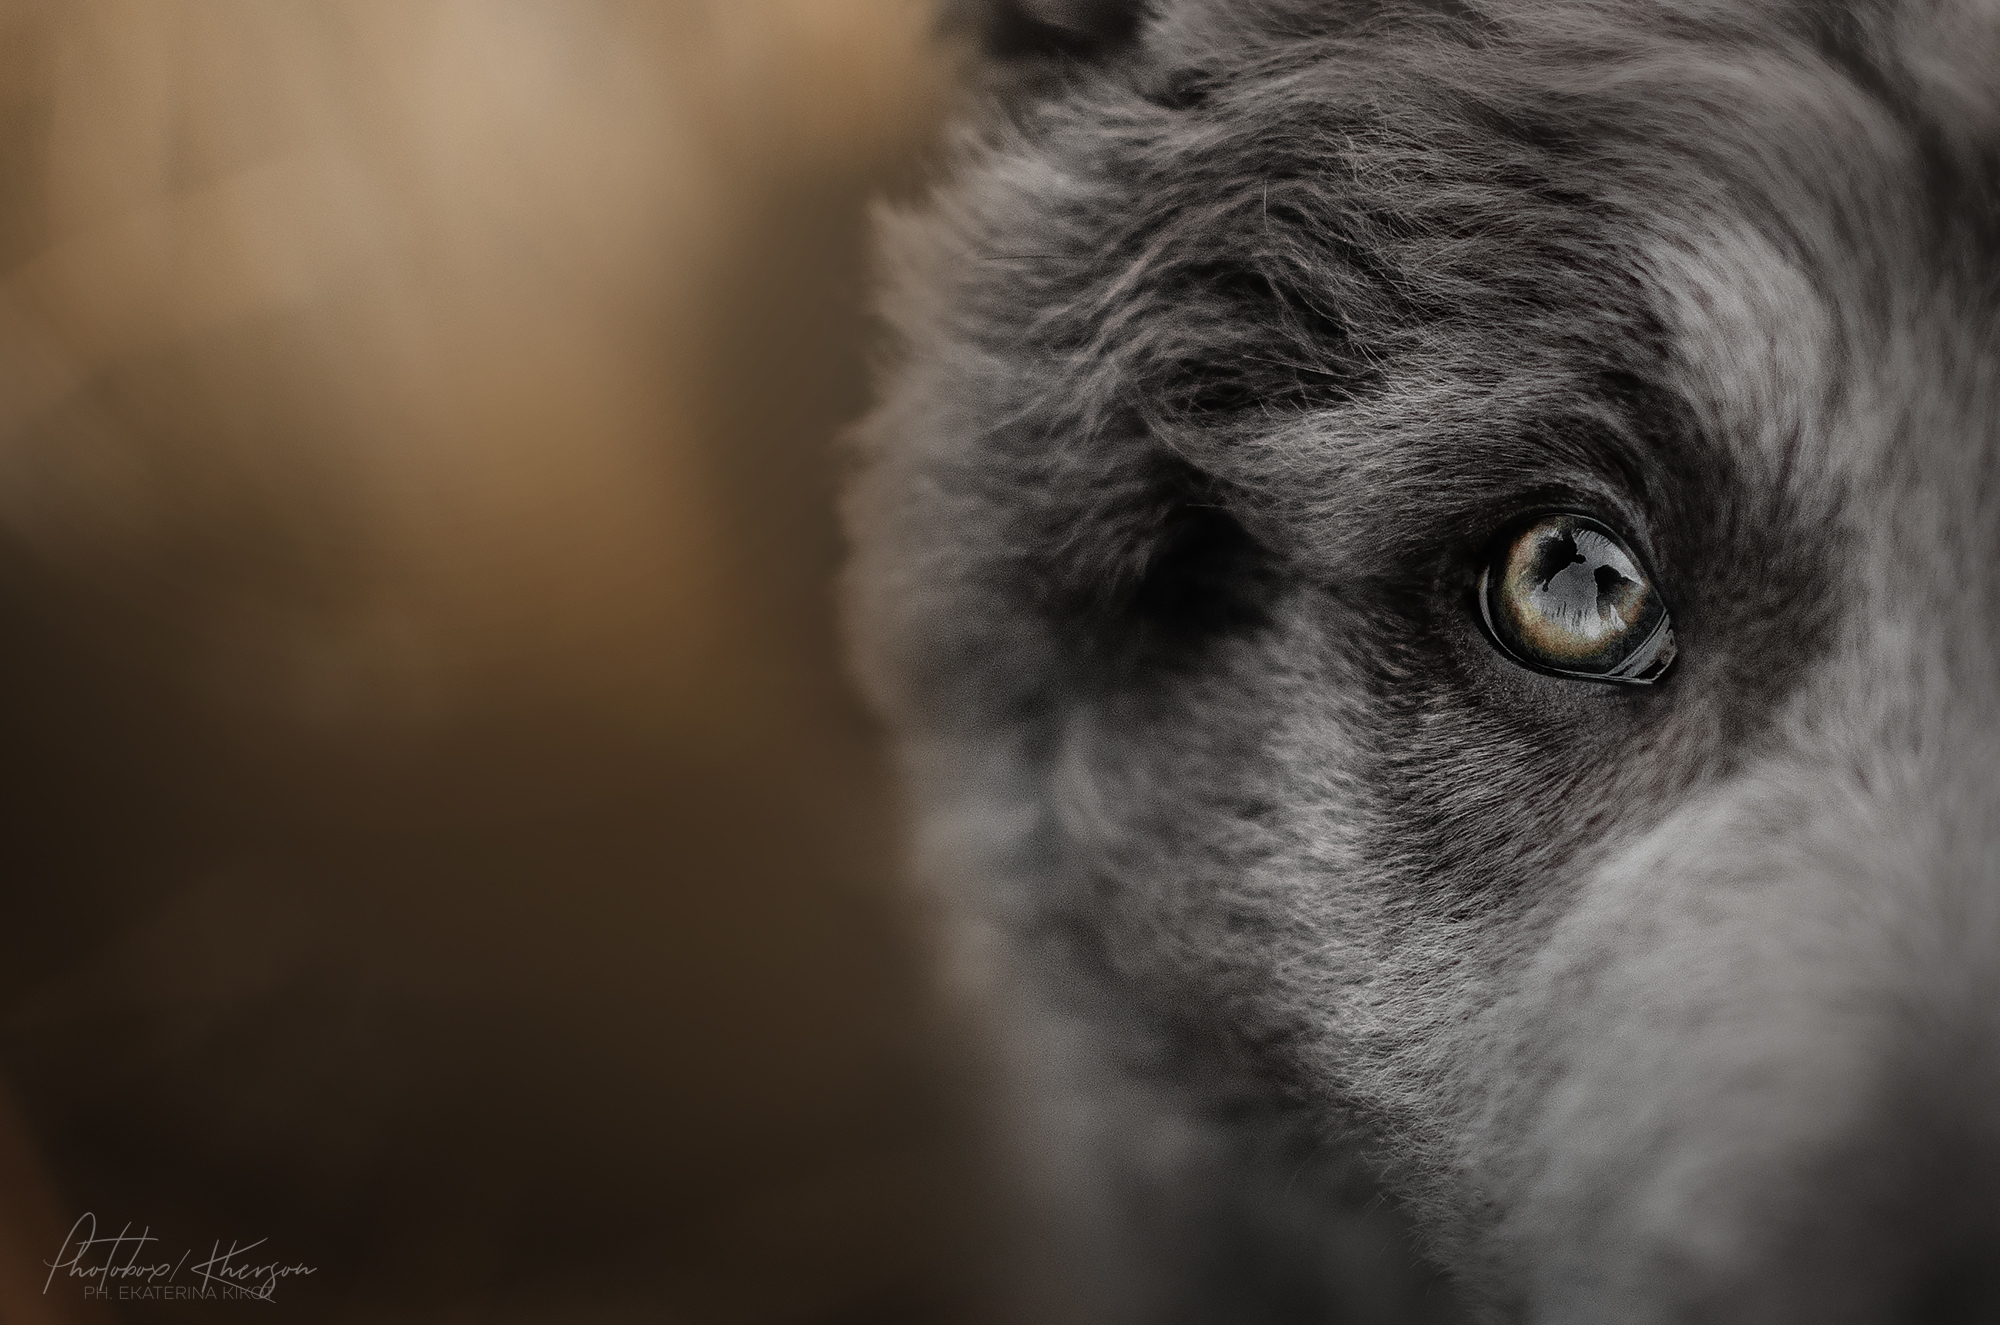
1361 506
1392 544
1605 506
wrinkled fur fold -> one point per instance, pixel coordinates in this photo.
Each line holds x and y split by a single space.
1313 929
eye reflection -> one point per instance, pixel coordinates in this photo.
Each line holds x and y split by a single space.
1565 595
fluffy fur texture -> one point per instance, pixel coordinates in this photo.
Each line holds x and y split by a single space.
1240 330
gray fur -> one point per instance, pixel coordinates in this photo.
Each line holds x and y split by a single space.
1238 332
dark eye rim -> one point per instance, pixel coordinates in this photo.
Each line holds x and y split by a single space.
1644 666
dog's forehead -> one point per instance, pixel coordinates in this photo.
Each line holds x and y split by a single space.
1804 206
1828 241
1378 281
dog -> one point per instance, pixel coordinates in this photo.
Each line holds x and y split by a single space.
1432 565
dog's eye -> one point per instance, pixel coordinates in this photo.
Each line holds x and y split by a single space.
1565 595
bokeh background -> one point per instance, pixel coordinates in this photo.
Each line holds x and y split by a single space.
436 833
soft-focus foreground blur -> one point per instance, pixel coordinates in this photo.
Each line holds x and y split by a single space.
438 838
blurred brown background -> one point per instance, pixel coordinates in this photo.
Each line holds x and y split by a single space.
437 835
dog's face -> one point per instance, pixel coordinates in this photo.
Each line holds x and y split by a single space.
1455 546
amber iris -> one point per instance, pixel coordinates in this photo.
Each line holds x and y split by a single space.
1565 595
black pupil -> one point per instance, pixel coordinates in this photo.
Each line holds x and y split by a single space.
1559 553
1556 553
